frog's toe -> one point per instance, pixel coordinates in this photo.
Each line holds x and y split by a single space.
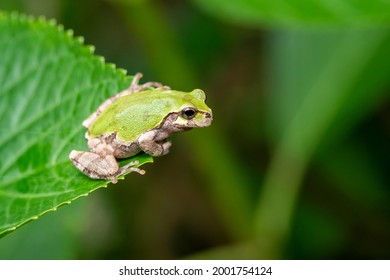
130 168
165 147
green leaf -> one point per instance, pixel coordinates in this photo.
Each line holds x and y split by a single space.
49 83
299 12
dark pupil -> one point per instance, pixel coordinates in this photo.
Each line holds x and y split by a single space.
189 113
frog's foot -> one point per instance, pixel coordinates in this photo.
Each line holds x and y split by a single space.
136 87
154 143
129 168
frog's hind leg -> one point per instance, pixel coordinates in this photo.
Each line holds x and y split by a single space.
105 168
95 166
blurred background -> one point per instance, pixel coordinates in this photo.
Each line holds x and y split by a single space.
295 164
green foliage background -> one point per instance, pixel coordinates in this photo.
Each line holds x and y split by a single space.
294 165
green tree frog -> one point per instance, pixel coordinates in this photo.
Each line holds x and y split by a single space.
140 118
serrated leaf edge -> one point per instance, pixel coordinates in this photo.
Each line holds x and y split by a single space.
23 18
100 184
9 230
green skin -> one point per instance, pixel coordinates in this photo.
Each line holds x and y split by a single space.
137 120
134 114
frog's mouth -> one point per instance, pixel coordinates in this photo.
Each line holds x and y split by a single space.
202 119
207 119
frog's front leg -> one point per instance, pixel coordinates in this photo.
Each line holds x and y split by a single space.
101 167
153 142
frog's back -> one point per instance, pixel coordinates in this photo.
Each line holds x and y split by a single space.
133 114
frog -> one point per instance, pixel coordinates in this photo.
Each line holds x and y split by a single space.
138 119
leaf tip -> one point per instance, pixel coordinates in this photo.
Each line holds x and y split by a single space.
51 22
60 27
91 48
122 71
80 39
111 65
70 33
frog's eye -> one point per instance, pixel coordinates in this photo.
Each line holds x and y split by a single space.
188 113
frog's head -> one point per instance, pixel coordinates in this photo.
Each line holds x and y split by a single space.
194 112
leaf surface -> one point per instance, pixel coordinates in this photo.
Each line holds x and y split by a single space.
49 83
